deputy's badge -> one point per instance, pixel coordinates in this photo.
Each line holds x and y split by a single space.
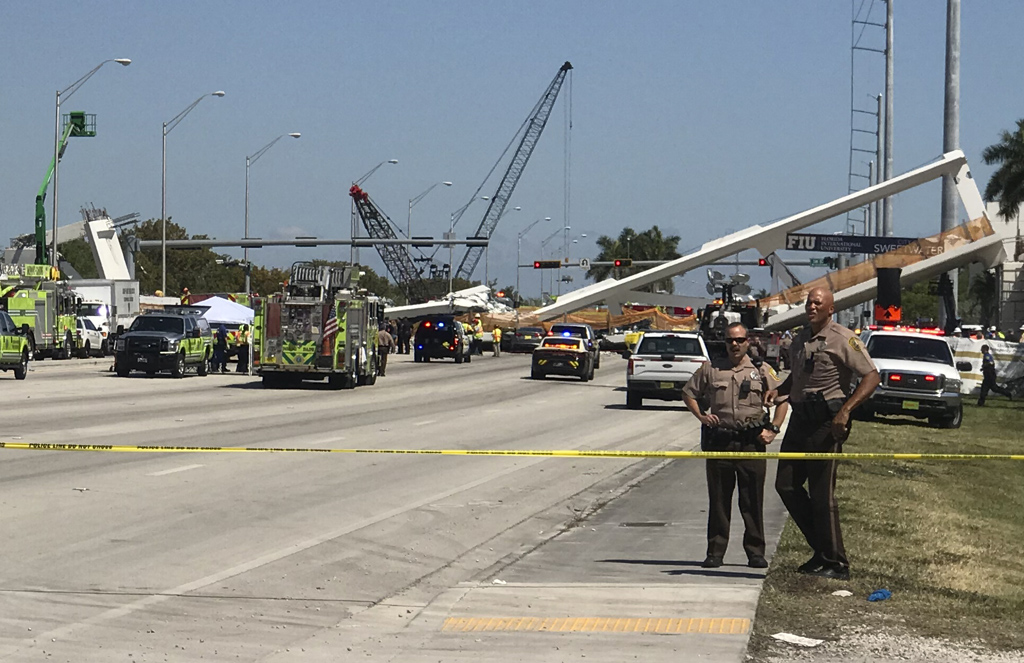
856 344
754 375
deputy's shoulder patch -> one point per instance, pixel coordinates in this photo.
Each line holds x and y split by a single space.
856 344
771 372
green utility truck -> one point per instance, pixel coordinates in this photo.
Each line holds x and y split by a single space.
14 349
321 326
37 300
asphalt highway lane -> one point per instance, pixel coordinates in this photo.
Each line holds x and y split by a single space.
253 557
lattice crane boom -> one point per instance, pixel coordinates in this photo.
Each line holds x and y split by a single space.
534 126
396 257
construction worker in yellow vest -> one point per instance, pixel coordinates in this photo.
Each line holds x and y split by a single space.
496 340
478 335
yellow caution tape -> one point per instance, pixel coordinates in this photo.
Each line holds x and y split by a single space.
561 453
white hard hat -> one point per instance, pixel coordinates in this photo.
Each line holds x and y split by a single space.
992 328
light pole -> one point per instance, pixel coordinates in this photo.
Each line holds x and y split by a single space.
487 249
543 246
353 252
163 184
248 162
519 261
65 93
413 201
451 235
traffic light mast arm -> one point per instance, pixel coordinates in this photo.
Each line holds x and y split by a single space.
42 256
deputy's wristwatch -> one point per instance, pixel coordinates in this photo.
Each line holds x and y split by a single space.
772 427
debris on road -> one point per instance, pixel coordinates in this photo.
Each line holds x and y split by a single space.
797 639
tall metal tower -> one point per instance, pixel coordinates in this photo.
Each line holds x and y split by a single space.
865 140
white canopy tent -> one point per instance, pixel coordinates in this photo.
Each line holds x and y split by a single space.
220 311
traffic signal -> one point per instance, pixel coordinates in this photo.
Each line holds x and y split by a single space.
547 264
623 262
762 262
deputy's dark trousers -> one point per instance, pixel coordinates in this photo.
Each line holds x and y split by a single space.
723 475
814 510
988 382
382 360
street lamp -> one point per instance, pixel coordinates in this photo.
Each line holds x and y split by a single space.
413 201
450 235
353 251
543 245
519 260
67 92
374 170
487 249
248 162
163 184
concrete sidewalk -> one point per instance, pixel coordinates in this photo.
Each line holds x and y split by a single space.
624 584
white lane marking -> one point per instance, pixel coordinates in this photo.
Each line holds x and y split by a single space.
325 441
172 471
424 423
220 576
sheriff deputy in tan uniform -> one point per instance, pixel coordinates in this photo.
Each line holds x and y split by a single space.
825 356
731 390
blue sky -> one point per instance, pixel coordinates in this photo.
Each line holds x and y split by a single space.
702 117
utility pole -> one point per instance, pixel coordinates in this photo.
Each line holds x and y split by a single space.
879 139
951 130
887 175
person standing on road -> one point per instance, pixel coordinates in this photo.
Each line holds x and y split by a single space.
732 390
988 377
825 356
242 349
220 350
477 328
496 340
385 343
404 335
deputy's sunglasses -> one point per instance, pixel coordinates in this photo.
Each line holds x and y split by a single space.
736 340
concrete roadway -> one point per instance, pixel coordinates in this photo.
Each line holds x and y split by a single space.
330 557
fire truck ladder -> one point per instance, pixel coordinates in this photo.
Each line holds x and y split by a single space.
534 125
395 256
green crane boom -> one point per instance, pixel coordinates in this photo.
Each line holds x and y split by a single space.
76 123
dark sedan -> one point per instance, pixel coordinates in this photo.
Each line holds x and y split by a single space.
523 339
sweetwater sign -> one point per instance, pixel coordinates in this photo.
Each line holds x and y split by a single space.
860 244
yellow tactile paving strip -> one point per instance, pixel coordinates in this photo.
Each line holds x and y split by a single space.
597 625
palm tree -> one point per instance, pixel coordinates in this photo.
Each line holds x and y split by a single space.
1007 184
648 245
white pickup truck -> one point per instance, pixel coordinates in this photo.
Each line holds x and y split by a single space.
919 378
662 364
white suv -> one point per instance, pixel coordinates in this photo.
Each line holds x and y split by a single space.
919 378
662 364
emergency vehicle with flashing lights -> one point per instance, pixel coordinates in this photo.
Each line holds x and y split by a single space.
919 377
322 326
662 365
562 355
584 331
442 337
